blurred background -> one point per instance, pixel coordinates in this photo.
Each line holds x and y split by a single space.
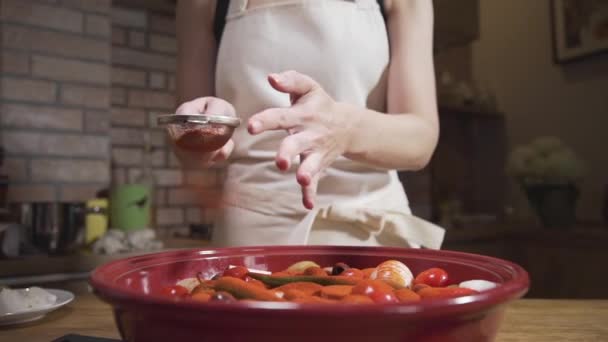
520 173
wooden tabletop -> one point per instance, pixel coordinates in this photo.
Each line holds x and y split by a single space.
526 320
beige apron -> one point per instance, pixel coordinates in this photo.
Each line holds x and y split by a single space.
342 45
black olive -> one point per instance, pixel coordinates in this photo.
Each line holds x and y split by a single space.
339 268
222 297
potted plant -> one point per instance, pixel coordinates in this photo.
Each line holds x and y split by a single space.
549 173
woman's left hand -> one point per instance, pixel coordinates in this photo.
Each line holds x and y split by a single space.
319 129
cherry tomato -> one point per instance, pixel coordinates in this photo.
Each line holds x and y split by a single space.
367 272
352 272
381 297
236 272
378 291
175 291
435 277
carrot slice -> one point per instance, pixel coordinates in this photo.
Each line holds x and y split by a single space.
445 292
336 291
419 287
307 288
243 290
357 299
314 300
407 295
201 296
295 294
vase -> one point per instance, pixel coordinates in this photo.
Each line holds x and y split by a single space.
555 204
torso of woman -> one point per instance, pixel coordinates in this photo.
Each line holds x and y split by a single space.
341 44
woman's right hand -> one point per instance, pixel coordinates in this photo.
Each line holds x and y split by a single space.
205 105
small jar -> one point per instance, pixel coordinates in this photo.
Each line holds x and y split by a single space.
96 219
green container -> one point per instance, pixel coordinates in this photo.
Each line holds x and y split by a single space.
130 207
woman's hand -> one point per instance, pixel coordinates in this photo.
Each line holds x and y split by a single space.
319 129
212 106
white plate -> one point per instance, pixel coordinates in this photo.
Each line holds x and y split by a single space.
63 298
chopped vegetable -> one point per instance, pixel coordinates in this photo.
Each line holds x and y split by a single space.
273 281
307 283
243 290
300 267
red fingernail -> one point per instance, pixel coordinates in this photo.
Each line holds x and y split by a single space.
308 204
282 164
304 180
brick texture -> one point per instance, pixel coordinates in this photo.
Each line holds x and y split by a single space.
119 96
32 13
129 17
15 169
137 39
128 117
35 143
157 80
119 36
136 58
180 196
151 99
28 90
97 25
31 193
41 117
127 156
193 215
62 69
56 43
97 122
101 6
56 98
70 170
128 77
161 24
15 63
85 96
169 216
163 43
73 193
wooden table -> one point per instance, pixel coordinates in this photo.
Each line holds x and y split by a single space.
526 320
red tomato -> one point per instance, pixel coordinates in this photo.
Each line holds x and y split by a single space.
236 272
352 272
435 277
378 291
381 297
175 291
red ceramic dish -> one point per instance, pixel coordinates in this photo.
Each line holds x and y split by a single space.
132 286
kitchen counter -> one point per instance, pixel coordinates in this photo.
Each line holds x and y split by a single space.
526 320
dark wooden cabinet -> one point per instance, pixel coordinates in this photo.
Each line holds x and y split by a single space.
469 163
561 263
